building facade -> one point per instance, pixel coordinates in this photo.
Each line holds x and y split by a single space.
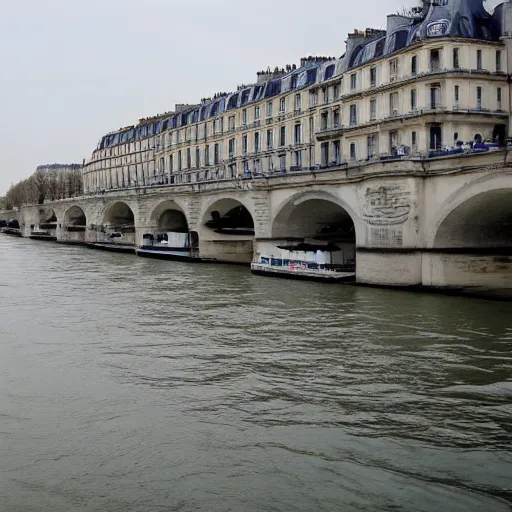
434 82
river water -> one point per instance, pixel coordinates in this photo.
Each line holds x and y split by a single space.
138 385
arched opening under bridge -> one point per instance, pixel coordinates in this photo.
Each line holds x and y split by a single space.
473 244
118 225
316 233
227 232
75 225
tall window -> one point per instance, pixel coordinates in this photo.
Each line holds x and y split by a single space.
336 118
414 141
373 109
393 69
456 58
414 65
435 60
257 142
282 104
282 136
180 163
231 148
353 115
231 122
479 98
326 94
244 116
457 96
337 152
479 59
313 98
372 145
499 98
244 144
336 92
256 112
298 101
324 153
353 151
324 120
414 102
498 61
207 155
435 97
198 158
393 103
297 133
373 77
270 107
189 159
297 157
270 139
353 81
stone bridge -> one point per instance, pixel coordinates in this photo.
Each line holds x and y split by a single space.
444 222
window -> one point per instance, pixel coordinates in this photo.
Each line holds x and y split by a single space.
373 77
297 129
257 142
435 97
498 61
244 144
180 163
353 115
435 60
297 101
499 97
297 158
282 104
282 162
353 81
414 141
313 98
336 92
337 152
393 103
207 155
336 118
256 112
372 145
282 136
479 98
326 95
457 95
270 108
270 139
373 109
324 153
198 158
244 116
189 159
231 122
352 151
231 148
479 59
393 69
414 101
456 58
414 65
324 120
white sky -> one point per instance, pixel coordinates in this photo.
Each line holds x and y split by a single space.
73 70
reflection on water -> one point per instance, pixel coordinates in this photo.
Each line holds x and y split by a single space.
137 385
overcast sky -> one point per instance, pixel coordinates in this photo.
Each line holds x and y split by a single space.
73 70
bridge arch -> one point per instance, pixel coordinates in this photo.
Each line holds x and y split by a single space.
118 214
118 224
226 231
310 222
471 239
74 225
479 215
169 216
